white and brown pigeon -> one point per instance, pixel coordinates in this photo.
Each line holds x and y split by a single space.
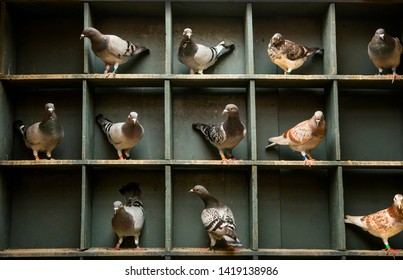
226 135
289 55
198 57
122 135
42 136
304 136
128 219
385 51
384 223
218 219
111 49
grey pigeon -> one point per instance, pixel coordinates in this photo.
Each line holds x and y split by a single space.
226 135
128 219
111 49
198 57
42 136
287 54
384 51
304 136
217 218
384 223
122 135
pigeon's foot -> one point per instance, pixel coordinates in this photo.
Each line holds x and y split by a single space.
308 162
116 247
391 251
225 161
394 76
138 248
121 158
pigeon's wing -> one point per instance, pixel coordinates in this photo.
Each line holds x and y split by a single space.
214 133
298 135
296 51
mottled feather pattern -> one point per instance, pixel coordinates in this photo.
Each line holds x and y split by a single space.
384 223
214 133
217 218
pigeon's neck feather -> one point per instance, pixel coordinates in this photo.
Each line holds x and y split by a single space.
395 212
189 48
99 42
209 201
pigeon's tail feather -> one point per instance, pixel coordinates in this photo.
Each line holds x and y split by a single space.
355 220
204 128
104 123
270 145
224 49
19 125
141 50
312 51
280 140
233 240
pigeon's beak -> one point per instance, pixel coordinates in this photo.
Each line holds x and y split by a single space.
116 209
82 36
317 122
382 36
224 112
191 190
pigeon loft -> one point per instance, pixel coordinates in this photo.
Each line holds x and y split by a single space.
283 209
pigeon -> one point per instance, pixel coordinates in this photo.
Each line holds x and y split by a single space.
384 223
218 219
384 51
226 135
111 49
198 57
128 219
287 54
42 136
304 136
122 135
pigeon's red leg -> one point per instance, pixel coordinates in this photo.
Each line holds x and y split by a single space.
394 75
390 250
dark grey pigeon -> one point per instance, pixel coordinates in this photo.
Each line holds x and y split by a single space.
198 57
128 219
42 136
112 49
217 218
384 51
287 54
122 135
226 135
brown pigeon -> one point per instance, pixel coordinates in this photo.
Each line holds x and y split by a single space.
226 135
304 136
287 54
217 218
384 223
384 51
112 49
198 57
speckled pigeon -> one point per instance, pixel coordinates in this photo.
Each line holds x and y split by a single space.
128 219
384 51
287 54
217 218
226 135
304 136
122 135
42 136
198 57
384 223
111 49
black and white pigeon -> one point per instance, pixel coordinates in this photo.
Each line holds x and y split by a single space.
128 219
122 135
217 218
304 136
384 223
287 54
198 57
226 135
385 51
42 136
111 49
